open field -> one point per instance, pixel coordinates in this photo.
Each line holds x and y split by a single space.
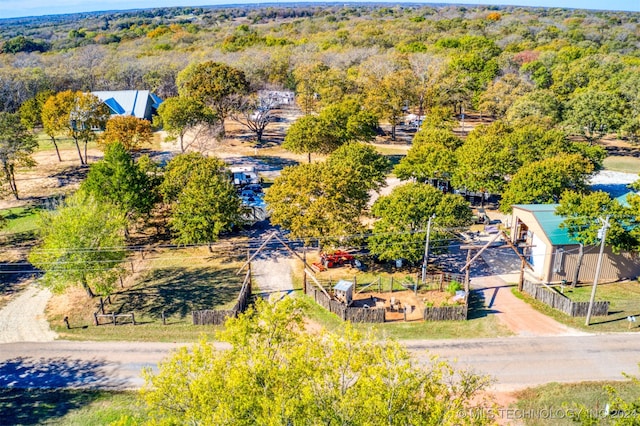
174 282
622 164
624 298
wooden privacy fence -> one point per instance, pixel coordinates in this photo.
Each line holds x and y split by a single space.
562 303
219 316
347 313
447 313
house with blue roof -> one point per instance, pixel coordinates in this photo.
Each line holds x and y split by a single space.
554 254
136 103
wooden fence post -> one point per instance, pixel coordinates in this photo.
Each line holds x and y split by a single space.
121 283
304 276
113 318
133 318
95 318
164 319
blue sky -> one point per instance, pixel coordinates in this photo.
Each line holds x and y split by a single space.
17 8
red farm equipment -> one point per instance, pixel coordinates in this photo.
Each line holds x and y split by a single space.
335 259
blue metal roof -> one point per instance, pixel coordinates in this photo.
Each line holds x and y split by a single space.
343 285
129 102
550 222
114 106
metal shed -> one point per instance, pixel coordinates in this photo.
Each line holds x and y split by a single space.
343 291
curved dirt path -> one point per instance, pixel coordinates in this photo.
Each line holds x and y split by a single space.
23 319
516 314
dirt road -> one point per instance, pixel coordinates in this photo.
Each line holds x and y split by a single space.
514 362
23 319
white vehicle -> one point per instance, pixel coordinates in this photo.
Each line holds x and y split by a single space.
244 175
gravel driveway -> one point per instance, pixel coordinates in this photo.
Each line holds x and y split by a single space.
272 275
23 319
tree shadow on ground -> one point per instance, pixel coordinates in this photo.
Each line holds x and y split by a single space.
61 372
14 275
179 291
71 175
41 406
394 159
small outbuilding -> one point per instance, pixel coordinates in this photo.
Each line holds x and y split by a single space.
554 254
343 291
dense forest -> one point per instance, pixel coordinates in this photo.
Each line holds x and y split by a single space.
576 68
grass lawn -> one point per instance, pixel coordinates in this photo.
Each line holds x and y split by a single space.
622 164
623 296
66 406
176 282
562 399
20 220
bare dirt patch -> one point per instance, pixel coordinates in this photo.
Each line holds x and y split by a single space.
396 302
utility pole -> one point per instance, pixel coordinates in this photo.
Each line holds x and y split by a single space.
426 250
603 237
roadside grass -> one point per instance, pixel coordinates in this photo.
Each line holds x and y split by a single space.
174 282
625 164
67 407
624 298
560 400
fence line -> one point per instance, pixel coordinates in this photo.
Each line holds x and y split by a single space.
562 303
346 313
112 317
447 313
220 316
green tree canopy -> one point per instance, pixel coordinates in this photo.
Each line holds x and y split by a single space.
31 109
583 221
538 105
179 115
593 113
431 156
118 180
325 200
275 372
390 95
81 243
55 117
403 215
215 84
484 160
16 146
203 200
334 126
544 181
